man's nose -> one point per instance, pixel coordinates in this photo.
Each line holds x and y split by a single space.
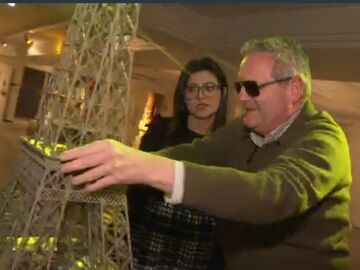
243 95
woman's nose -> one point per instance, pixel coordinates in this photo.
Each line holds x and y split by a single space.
200 93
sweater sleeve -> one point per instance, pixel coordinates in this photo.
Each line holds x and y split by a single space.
198 151
303 175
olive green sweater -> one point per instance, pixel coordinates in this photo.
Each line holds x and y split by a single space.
281 206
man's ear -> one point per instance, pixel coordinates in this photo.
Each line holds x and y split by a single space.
296 89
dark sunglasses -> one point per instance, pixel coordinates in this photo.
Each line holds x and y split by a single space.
252 88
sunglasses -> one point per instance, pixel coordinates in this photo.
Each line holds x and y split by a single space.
252 88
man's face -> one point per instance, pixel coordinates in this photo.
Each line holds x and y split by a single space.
272 106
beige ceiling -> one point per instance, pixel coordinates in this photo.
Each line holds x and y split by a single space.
48 22
25 17
226 10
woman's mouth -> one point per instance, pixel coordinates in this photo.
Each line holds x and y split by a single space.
202 106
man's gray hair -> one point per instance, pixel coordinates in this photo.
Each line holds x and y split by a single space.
290 58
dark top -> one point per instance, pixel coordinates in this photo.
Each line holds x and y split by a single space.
284 205
166 236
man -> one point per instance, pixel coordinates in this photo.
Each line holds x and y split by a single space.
278 178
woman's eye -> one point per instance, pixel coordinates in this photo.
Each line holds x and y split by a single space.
210 87
192 89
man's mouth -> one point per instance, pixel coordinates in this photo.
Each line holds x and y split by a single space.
250 109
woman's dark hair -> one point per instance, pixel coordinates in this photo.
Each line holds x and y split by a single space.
179 123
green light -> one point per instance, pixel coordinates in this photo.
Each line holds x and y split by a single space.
47 150
29 243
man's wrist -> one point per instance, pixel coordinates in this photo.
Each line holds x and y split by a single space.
162 174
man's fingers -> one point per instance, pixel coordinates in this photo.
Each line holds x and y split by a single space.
84 162
100 184
91 175
91 148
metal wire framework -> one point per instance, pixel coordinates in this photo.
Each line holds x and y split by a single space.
44 222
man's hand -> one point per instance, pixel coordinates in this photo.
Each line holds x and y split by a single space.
109 162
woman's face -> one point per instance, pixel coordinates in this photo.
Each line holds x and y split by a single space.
202 95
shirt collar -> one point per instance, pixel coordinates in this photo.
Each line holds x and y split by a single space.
275 134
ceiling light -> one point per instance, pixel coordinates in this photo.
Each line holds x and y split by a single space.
140 44
3 43
11 4
28 41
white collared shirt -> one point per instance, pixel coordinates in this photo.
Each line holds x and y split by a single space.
275 134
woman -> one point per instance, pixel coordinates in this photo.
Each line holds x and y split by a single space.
166 236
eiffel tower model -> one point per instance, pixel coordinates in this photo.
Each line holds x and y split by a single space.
45 223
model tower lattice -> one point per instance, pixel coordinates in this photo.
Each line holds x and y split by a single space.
45 222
